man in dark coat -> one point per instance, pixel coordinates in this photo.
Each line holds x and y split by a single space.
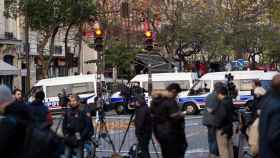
13 122
77 128
169 123
143 126
208 120
40 112
270 122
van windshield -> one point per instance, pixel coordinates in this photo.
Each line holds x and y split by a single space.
76 88
162 85
201 87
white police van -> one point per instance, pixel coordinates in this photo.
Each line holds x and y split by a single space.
160 81
83 85
195 100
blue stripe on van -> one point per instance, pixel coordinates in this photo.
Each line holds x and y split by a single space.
118 100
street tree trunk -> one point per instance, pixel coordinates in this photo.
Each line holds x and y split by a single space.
41 45
51 48
67 62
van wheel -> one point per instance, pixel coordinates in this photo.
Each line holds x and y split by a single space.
190 108
120 109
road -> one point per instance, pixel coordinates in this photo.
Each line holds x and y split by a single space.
196 135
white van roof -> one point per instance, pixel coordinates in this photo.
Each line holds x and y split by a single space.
166 76
268 75
238 75
66 80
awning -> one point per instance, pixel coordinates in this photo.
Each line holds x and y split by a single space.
7 69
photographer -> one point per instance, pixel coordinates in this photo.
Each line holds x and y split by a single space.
143 126
209 120
77 128
169 122
224 116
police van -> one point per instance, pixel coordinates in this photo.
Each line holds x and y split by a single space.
195 100
159 81
83 85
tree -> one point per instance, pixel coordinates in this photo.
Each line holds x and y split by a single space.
47 17
120 58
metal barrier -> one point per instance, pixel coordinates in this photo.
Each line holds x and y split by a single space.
196 135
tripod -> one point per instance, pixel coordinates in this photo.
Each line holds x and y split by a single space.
102 130
125 135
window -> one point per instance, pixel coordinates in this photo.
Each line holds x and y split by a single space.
201 87
77 88
58 50
161 85
246 85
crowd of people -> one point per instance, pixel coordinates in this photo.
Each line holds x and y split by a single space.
25 129
261 129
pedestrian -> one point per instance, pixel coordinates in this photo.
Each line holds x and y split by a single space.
169 123
258 92
209 120
269 122
17 93
41 117
143 127
13 122
224 116
76 128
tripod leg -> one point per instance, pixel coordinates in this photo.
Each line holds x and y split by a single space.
109 137
126 131
155 148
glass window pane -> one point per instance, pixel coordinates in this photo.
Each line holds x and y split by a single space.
245 85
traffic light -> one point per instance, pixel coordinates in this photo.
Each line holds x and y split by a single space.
98 39
149 40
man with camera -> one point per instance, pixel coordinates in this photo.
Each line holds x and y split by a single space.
224 117
77 128
143 126
169 122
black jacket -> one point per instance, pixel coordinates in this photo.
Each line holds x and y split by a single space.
165 126
270 126
13 130
143 122
224 115
39 113
76 121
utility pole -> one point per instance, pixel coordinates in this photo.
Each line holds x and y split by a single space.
27 49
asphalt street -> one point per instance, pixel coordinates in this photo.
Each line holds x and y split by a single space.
196 135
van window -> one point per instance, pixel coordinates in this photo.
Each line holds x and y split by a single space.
161 85
77 88
201 87
246 85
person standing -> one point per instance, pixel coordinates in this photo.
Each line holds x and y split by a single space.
14 118
269 122
143 126
169 123
76 128
209 120
224 116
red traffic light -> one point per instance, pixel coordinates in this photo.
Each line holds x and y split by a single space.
148 34
98 32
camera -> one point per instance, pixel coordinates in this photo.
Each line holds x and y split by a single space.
131 92
231 88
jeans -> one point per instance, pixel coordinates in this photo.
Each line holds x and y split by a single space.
212 141
69 152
